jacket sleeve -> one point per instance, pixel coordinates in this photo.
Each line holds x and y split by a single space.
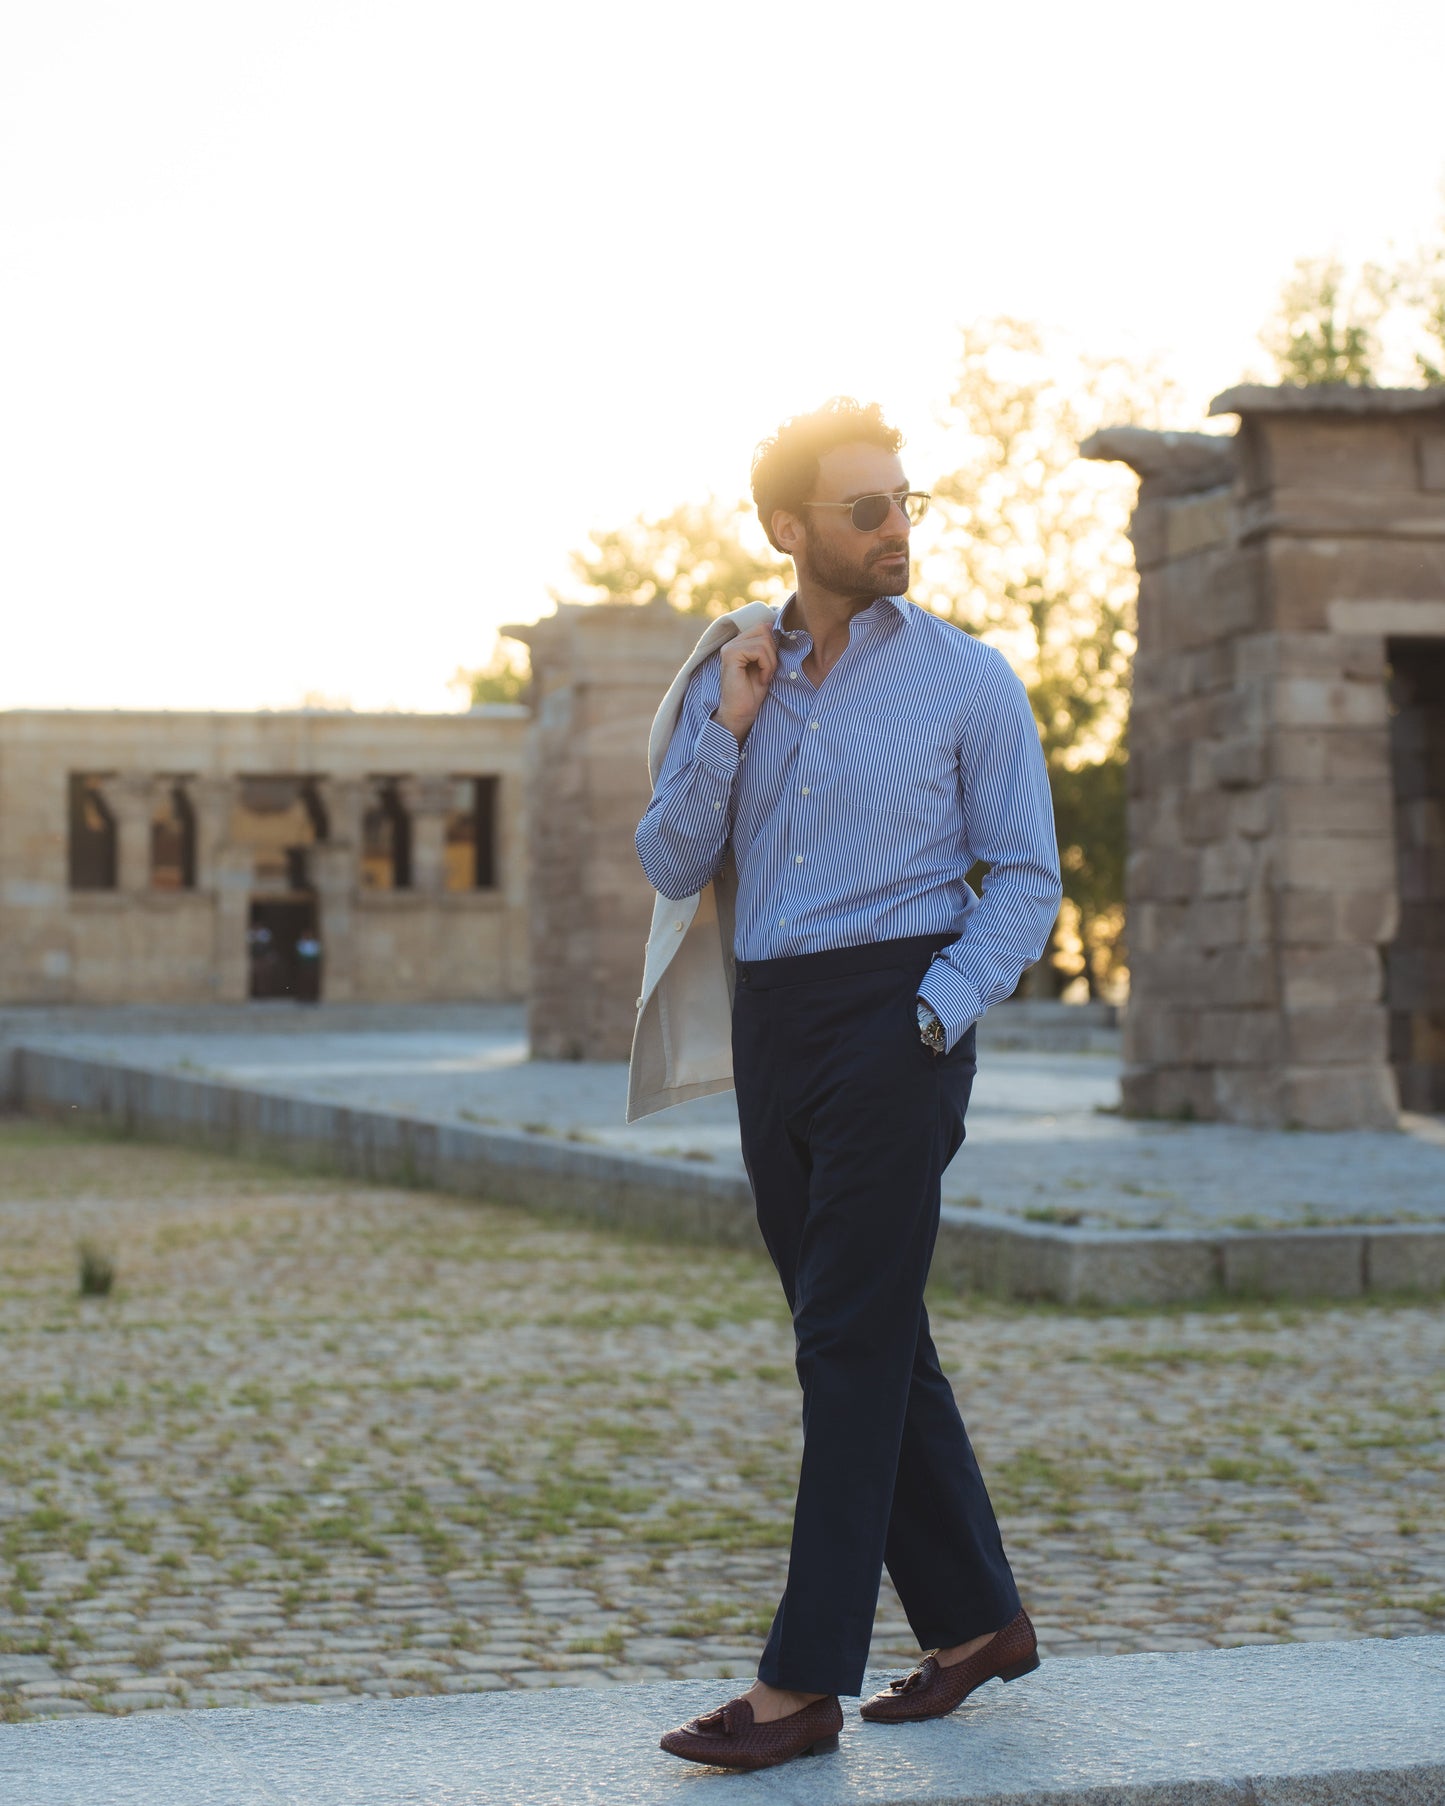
682 837
1009 822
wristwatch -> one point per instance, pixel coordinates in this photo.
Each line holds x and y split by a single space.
930 1029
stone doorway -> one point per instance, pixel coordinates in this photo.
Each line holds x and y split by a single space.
1415 959
284 946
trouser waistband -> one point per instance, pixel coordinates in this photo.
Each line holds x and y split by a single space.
841 962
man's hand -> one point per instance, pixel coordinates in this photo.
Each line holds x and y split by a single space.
748 664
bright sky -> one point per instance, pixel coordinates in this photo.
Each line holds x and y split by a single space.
327 328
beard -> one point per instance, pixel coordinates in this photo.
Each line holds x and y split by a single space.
865 575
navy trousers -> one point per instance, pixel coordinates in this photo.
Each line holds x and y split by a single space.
848 1122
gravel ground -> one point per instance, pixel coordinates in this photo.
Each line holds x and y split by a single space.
325 1440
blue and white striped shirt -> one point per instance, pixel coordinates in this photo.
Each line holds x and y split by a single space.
856 806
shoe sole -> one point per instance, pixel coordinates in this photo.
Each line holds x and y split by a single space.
825 1746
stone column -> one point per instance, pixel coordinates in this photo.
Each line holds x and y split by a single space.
233 873
223 873
211 798
131 799
428 801
335 871
598 676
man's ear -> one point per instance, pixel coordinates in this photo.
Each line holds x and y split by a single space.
788 531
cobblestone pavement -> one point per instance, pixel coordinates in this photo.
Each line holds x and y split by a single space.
323 1441
1045 1140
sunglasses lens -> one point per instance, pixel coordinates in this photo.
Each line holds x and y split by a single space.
916 506
870 512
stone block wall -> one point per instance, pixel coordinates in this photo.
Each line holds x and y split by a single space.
1263 885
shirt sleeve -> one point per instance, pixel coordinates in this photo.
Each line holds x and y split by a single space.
682 837
1008 822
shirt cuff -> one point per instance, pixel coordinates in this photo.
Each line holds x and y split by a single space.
952 999
717 751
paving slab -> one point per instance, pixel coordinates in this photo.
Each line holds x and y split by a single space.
1307 1724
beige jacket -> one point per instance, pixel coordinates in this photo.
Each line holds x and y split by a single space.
682 1044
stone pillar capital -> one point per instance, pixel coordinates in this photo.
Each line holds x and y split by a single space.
344 800
428 795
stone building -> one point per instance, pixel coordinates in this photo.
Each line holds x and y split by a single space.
1286 875
171 857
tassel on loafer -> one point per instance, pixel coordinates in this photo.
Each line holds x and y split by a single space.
730 1738
930 1691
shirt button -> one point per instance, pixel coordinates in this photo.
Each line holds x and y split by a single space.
806 791
813 724
782 921
717 805
792 677
798 860
678 927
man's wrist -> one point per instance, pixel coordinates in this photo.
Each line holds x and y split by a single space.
930 1029
738 729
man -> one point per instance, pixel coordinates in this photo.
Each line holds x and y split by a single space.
852 757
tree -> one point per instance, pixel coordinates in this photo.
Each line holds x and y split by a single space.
506 676
1385 323
1326 330
1034 557
705 558
1421 287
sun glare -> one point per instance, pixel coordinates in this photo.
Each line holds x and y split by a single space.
329 337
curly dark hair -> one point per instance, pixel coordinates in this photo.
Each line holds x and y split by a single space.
785 467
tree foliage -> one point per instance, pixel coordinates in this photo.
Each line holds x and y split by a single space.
1421 289
1385 323
1033 553
506 676
1326 328
705 558
1033 556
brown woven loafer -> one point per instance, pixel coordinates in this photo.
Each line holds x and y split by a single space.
930 1691
728 1737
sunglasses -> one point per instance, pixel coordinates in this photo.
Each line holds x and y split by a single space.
870 511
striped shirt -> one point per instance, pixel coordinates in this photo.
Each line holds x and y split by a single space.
856 806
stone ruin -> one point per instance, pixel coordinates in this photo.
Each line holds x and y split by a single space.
1285 889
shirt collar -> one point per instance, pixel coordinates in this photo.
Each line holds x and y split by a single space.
900 604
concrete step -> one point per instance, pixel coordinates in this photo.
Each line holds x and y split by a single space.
1298 1724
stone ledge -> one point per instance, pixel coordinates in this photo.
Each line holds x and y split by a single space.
977 1249
1325 398
1298 1724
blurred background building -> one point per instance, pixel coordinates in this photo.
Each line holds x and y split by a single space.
170 857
